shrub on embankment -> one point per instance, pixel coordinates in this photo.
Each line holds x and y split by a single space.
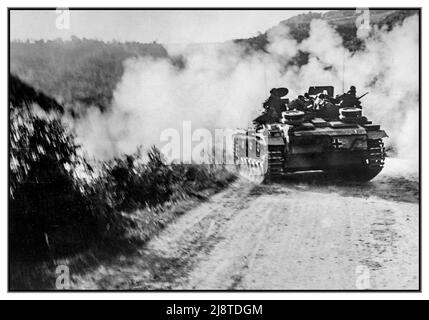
55 213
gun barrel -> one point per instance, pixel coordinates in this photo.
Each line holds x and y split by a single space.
363 95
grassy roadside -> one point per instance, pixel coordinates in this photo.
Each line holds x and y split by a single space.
144 224
65 210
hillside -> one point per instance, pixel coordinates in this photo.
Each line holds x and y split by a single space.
83 72
342 20
80 71
22 95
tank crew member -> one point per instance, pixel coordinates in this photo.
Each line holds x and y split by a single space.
320 101
299 104
273 107
349 99
308 97
309 101
352 91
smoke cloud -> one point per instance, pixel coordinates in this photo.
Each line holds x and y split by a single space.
224 85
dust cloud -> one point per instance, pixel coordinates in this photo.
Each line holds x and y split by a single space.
223 86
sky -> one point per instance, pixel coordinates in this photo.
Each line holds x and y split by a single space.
162 26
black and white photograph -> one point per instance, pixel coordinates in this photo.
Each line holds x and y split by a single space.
214 149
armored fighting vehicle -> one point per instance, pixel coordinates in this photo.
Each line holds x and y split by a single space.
338 140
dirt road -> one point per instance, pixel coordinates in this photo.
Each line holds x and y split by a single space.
303 232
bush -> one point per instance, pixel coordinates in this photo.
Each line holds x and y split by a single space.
43 194
53 212
129 182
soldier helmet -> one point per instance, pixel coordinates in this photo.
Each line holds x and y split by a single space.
279 92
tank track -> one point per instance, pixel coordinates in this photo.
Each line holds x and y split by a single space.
375 157
260 170
372 164
276 159
250 169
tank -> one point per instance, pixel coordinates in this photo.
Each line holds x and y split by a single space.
335 138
